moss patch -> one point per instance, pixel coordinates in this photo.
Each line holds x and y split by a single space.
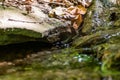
16 35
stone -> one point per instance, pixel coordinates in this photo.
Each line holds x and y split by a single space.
16 26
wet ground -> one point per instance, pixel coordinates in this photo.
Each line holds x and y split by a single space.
35 61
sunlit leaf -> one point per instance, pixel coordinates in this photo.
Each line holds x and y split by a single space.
85 3
77 22
82 10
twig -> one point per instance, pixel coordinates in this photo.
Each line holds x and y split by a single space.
52 3
24 21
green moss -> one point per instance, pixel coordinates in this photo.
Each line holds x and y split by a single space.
55 66
15 35
18 31
11 39
117 23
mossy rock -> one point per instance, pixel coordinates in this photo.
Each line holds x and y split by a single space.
17 26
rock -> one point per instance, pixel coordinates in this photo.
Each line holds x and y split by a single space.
16 26
102 17
96 38
99 16
101 30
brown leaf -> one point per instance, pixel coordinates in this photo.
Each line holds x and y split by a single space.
77 10
28 6
81 10
74 11
77 22
28 2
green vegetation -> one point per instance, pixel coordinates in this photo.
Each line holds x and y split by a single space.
15 35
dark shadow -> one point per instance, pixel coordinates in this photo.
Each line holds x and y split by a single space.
21 50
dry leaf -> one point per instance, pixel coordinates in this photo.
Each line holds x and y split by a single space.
58 11
85 3
77 21
72 13
28 6
82 10
77 10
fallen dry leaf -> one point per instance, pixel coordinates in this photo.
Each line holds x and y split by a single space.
77 21
82 10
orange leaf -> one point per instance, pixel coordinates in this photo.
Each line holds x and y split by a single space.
77 22
50 0
70 8
82 10
74 11
28 2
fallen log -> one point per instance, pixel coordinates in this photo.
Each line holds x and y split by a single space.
16 26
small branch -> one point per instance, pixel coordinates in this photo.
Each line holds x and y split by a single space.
24 21
57 3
